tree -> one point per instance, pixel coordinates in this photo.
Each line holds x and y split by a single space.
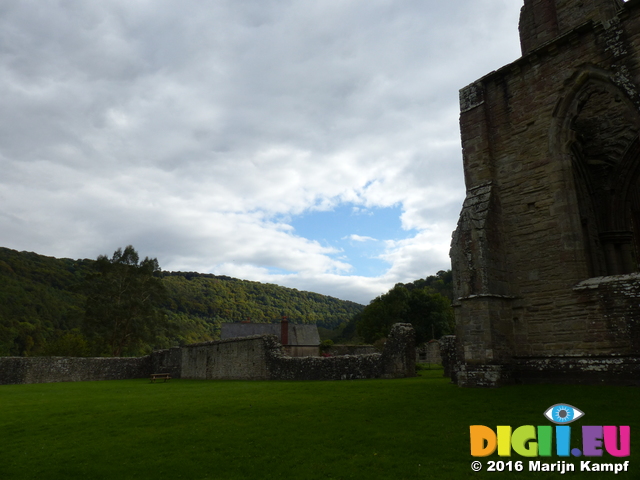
378 317
428 311
68 344
122 313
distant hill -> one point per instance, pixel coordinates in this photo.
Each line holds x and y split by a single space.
41 300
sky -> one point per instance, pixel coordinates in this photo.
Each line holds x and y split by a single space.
312 144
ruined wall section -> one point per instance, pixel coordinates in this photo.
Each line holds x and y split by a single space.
541 202
589 370
429 352
347 367
542 21
398 360
480 275
449 354
259 357
572 13
538 24
340 350
522 205
167 361
19 370
231 359
612 308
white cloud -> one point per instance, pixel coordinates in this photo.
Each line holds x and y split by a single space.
194 130
360 238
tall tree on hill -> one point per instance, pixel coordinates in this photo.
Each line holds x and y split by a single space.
123 296
428 311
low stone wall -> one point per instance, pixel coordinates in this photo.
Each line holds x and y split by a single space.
232 359
397 360
610 312
483 375
17 370
614 369
591 370
339 350
167 361
302 350
429 352
347 367
449 356
259 357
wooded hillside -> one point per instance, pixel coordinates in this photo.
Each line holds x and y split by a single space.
42 304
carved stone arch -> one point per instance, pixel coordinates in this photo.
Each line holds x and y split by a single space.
596 135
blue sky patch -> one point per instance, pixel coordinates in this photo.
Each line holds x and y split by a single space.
358 232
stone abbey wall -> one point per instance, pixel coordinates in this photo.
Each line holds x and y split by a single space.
429 352
548 239
259 357
15 370
338 350
235 358
397 360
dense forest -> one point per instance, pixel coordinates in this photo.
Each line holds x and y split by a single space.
425 303
43 305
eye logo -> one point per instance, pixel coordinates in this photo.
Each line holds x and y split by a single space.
563 413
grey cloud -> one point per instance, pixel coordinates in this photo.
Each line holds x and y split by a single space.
187 128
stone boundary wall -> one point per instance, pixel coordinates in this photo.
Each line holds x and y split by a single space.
17 370
591 370
231 359
611 312
339 350
567 369
259 357
397 360
167 361
302 350
429 352
344 367
449 355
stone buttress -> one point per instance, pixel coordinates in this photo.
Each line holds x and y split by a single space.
545 255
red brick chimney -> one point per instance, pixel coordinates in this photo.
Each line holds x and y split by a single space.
284 331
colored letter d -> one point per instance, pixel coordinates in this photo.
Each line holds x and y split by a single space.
483 441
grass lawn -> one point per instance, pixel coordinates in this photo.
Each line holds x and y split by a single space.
414 428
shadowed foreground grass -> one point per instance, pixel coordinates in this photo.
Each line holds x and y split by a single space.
367 429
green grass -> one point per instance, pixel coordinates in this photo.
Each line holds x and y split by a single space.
367 429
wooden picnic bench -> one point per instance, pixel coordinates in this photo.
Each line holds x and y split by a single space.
155 376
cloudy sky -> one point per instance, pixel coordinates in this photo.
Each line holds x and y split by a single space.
309 143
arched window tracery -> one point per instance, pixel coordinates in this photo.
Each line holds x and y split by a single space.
606 162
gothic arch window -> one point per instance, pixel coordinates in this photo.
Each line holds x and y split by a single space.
605 155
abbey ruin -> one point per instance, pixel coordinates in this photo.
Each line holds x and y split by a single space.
256 357
545 255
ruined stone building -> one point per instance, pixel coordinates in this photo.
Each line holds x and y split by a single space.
297 340
256 357
287 333
545 255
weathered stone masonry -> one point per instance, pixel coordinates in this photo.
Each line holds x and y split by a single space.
258 357
262 358
547 243
15 370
